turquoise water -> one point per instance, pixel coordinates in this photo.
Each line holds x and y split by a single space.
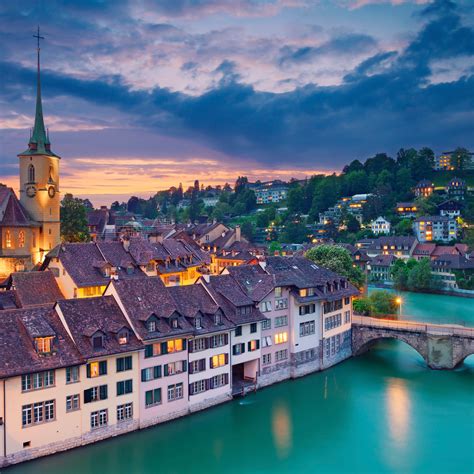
383 412
440 309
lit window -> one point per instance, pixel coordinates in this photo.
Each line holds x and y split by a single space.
21 239
175 345
303 292
44 344
123 336
94 369
218 361
281 337
8 239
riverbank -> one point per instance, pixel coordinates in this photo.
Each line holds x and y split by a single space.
454 292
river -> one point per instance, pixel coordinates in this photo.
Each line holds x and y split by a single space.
382 412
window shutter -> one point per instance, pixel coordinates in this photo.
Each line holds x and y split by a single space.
202 364
185 343
119 363
226 379
103 367
210 344
87 396
234 350
166 370
157 371
226 339
211 365
129 386
149 351
103 392
191 346
185 365
242 347
207 384
148 397
164 348
249 346
207 343
157 395
143 375
211 382
128 363
190 368
226 358
88 371
120 387
258 344
191 389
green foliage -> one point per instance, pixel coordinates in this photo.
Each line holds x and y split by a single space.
461 158
73 220
339 260
274 247
378 303
414 275
295 232
404 227
248 230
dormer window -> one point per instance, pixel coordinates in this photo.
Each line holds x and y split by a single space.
303 292
174 323
123 336
217 319
151 325
130 270
198 323
106 271
44 345
98 341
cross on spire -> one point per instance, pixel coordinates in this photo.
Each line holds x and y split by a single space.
38 37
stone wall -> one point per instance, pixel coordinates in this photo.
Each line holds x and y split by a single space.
274 374
301 366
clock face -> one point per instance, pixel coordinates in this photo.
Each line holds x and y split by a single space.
51 191
31 191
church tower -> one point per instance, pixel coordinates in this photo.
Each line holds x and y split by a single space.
39 179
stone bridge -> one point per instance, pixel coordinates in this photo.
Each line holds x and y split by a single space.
441 346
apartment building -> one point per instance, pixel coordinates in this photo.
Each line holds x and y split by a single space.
435 228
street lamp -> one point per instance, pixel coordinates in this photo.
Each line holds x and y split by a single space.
399 302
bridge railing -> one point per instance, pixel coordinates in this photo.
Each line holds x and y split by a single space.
413 326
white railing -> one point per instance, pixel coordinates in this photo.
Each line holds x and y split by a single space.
413 326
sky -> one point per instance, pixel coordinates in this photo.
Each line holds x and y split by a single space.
139 95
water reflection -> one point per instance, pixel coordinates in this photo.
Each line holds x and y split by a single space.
282 430
398 410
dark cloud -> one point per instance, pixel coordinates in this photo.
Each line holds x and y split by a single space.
347 44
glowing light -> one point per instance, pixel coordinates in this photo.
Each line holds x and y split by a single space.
281 428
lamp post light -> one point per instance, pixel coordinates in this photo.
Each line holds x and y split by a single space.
399 302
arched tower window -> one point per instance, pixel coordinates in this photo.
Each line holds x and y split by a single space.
8 239
51 171
21 238
31 174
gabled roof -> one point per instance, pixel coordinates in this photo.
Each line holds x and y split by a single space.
17 351
253 280
383 260
147 297
35 288
12 213
86 316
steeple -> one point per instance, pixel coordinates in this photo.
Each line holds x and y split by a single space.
39 143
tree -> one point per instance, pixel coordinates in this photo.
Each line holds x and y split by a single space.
400 273
461 159
274 247
383 302
241 184
420 277
352 224
248 230
294 199
404 227
73 220
295 232
339 260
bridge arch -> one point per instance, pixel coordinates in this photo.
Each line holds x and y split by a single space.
365 340
462 357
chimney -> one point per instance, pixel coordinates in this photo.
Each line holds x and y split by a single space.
237 233
126 243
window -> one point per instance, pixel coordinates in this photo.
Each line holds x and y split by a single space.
123 336
245 310
281 355
331 306
266 341
253 327
281 303
174 323
198 323
253 345
219 340
153 397
37 381
21 238
197 387
199 344
265 306
150 267
39 412
281 321
278 292
219 381
218 319
306 329
151 325
72 402
8 239
266 359
124 387
175 392
151 373
218 361
307 309
281 337
303 292
238 349
124 363
97 341
175 367
99 418
347 300
124 412
31 174
238 331
72 374
95 394
266 324
347 317
96 369
332 322
175 345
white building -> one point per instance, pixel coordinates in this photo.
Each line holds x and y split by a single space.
435 228
380 226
